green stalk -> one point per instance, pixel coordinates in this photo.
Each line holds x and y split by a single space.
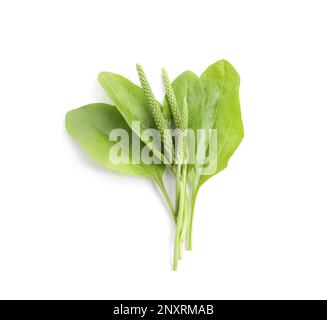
177 249
178 183
186 216
189 233
167 198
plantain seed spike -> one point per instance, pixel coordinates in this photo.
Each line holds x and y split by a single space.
153 104
171 99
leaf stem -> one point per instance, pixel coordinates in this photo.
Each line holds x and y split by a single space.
163 189
190 221
177 246
186 216
178 183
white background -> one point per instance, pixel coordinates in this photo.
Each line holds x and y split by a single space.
70 229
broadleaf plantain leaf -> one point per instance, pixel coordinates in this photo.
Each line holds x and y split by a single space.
222 112
90 125
131 103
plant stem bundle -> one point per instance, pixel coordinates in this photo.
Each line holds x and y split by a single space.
192 104
180 120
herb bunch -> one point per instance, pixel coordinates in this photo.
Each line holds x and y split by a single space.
208 104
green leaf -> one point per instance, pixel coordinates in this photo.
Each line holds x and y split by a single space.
131 103
90 126
188 85
128 98
222 112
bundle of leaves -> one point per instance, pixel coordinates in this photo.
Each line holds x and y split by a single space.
209 103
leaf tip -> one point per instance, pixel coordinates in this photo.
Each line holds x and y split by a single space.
102 76
68 118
